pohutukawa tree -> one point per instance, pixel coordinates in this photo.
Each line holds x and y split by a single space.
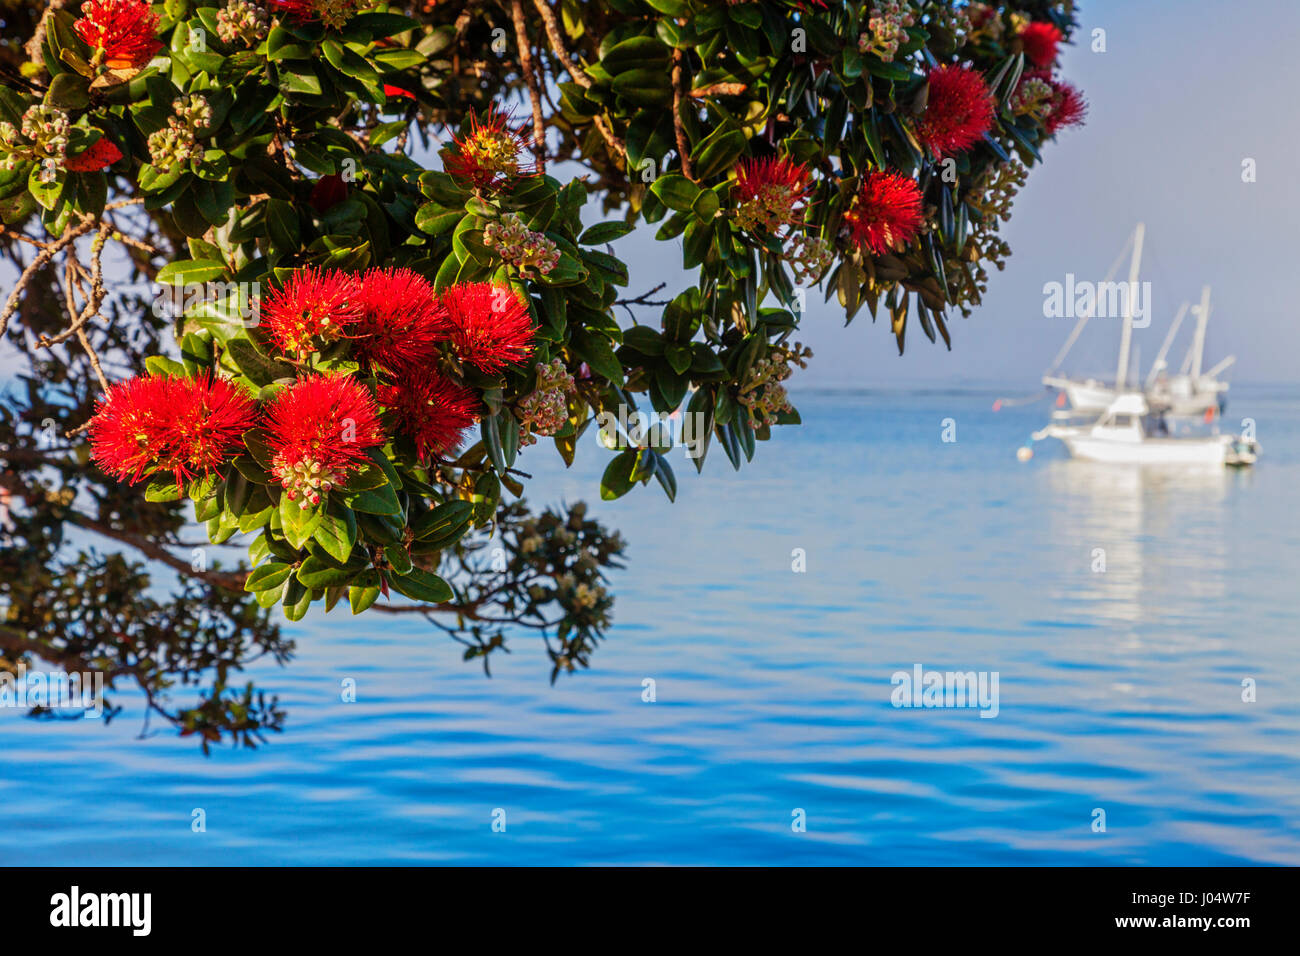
315 275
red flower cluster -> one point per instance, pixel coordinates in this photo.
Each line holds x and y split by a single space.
886 213
303 11
488 326
490 155
768 191
958 112
754 176
126 30
318 430
156 423
100 155
314 307
400 320
333 13
432 410
397 320
1040 41
1068 106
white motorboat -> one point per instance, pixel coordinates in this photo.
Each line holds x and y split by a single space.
1129 432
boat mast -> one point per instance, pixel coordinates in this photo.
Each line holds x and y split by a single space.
1126 338
1087 314
1198 345
1158 366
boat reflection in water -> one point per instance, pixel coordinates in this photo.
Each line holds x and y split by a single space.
1148 532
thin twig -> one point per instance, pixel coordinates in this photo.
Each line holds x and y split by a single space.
683 147
530 79
38 262
561 51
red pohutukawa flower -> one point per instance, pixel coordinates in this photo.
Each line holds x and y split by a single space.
768 192
1041 40
958 112
318 430
334 13
1068 107
432 410
490 155
488 326
401 320
155 423
313 308
303 11
126 30
886 213
100 155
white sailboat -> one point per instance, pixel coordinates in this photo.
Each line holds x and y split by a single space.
1190 393
1132 428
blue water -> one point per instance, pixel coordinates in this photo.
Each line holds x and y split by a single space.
1119 690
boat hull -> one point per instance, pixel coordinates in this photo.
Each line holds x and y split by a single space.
1151 451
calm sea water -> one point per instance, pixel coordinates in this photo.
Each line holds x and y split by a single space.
1119 690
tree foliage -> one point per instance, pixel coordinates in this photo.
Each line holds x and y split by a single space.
155 201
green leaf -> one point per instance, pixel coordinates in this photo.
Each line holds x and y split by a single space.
676 191
347 62
679 357
375 501
443 519
719 151
399 559
421 585
298 523
603 232
190 272
46 188
595 350
270 575
162 489
638 53
68 91
666 478
315 573
161 365
251 470
644 87
360 598
644 339
379 25
297 599
617 480
255 366
337 532
255 442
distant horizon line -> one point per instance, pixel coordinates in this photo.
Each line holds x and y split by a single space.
979 386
